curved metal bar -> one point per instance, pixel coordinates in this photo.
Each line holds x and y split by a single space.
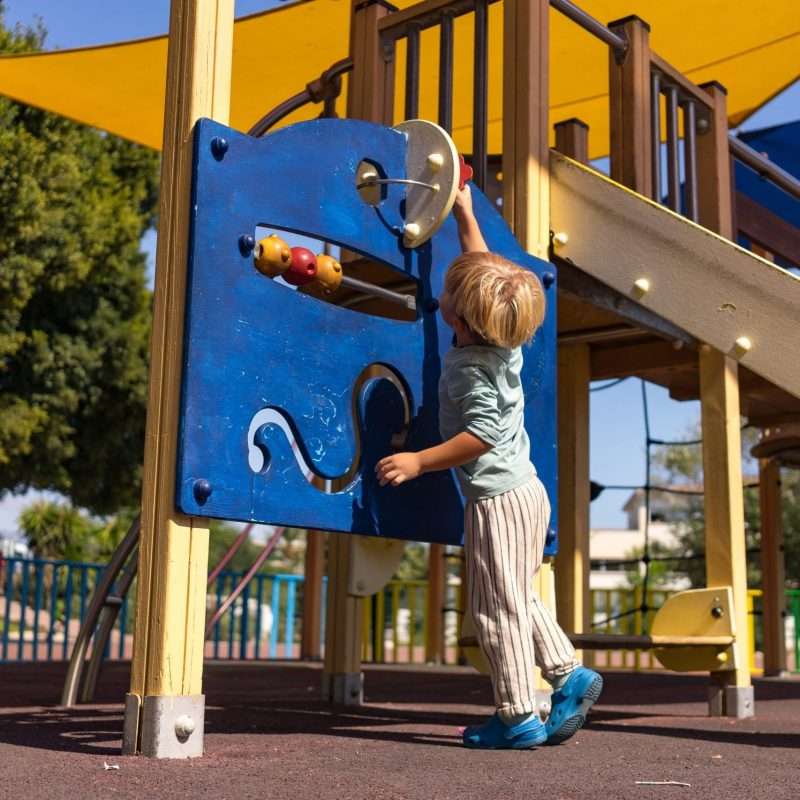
76 661
108 617
589 23
327 87
246 578
434 187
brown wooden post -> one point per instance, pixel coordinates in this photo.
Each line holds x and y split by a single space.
434 644
572 139
630 123
370 96
526 154
773 571
167 665
310 642
715 209
572 561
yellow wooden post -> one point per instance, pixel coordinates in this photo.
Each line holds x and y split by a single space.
310 644
369 96
572 562
630 123
434 616
164 709
731 693
773 571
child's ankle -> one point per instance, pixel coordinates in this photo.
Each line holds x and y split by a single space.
557 681
516 719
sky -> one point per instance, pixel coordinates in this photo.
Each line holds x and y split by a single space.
617 428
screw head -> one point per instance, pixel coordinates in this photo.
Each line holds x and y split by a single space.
184 727
548 279
201 489
219 146
246 244
717 612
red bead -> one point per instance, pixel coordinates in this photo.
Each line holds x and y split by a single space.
303 268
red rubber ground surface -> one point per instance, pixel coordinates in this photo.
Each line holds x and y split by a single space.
269 737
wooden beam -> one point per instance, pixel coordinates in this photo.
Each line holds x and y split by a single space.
526 186
764 228
773 568
699 281
310 641
173 550
620 361
572 562
629 104
572 139
437 575
715 202
726 556
574 281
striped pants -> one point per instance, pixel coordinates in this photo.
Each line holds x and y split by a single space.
504 547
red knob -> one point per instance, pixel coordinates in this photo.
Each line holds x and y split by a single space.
465 172
303 268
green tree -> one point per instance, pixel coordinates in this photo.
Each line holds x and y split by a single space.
682 465
74 308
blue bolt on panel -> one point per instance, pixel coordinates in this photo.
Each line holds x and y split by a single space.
269 419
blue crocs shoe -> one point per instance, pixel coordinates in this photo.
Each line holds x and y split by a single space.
496 735
571 703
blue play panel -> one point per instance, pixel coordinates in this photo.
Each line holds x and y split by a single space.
288 401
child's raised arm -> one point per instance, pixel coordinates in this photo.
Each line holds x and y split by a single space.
469 232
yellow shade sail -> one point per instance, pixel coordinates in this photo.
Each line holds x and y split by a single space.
752 48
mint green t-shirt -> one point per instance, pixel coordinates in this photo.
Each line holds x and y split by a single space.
480 391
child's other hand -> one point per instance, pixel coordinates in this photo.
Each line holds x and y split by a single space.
398 468
463 204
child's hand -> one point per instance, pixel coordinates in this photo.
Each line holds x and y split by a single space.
398 468
463 204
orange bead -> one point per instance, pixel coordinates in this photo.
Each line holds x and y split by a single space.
272 256
329 273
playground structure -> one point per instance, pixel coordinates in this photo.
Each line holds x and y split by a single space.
679 304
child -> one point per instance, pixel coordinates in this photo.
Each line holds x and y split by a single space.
494 307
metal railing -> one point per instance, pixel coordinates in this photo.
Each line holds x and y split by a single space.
44 601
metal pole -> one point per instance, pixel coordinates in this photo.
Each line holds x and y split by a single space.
412 73
764 167
690 159
407 300
655 124
590 24
446 73
673 176
480 95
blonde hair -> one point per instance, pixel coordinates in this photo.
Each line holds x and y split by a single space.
500 302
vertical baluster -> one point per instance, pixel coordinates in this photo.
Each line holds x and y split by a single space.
480 95
323 613
67 608
655 124
380 626
36 606
83 590
796 617
673 173
638 599
291 597
52 608
122 626
412 74
690 159
220 583
244 626
23 606
395 619
412 621
231 614
446 72
11 564
276 617
366 627
425 588
259 621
